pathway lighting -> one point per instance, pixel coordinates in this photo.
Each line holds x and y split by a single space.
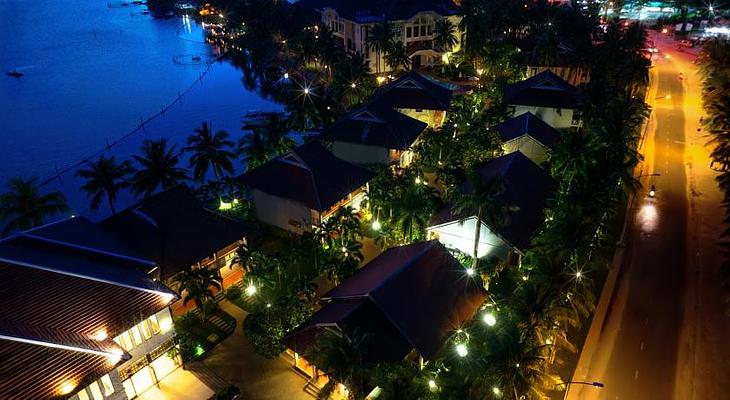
496 391
376 225
470 271
251 290
461 350
432 385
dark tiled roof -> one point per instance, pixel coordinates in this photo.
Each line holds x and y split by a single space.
382 10
527 189
309 175
174 229
55 299
411 297
529 124
542 90
376 125
414 91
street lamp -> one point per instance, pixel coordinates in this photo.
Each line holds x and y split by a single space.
567 385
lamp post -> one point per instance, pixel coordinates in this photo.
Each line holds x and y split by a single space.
567 385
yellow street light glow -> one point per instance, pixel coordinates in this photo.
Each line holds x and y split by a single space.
524 277
496 391
668 56
548 341
250 290
418 180
578 274
461 350
306 90
353 85
376 225
268 305
286 75
432 384
490 319
470 271
223 206
165 325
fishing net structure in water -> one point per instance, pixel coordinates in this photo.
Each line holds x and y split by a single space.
192 59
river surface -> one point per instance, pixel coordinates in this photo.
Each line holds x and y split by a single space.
92 71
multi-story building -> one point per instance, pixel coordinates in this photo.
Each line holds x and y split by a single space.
79 317
413 22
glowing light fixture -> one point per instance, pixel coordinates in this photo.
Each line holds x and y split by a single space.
224 206
165 325
470 271
490 319
353 85
376 225
286 75
432 384
100 336
250 290
461 350
496 391
66 388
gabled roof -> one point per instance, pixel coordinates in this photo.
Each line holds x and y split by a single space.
56 298
414 91
174 229
381 10
376 125
542 90
309 175
410 297
527 188
529 124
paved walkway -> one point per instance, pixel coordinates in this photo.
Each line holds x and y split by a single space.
179 385
258 378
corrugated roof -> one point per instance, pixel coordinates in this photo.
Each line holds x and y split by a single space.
174 229
414 91
415 295
376 124
529 124
542 90
309 175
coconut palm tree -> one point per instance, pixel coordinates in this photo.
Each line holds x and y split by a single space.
342 355
158 168
396 56
380 38
210 151
412 209
23 206
105 177
197 285
254 149
481 199
444 35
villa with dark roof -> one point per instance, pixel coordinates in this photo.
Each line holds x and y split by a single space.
417 97
80 318
374 134
548 97
411 299
177 232
303 187
529 135
527 187
413 21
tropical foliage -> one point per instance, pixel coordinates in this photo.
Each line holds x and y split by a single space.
210 150
157 168
105 178
23 206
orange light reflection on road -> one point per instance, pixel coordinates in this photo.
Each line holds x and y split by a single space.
648 217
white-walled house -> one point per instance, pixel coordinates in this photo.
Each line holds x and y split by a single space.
529 135
561 63
547 96
301 188
417 97
374 134
527 187
413 22
79 317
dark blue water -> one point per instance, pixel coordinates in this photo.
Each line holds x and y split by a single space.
92 71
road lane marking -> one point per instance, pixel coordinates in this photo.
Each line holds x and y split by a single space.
642 346
636 375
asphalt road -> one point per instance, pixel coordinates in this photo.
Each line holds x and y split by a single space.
663 335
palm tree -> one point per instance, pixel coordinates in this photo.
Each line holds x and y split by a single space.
397 56
197 286
105 177
412 209
158 168
444 35
210 151
254 149
342 355
482 198
23 206
380 38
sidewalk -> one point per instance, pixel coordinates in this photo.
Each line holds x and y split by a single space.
234 361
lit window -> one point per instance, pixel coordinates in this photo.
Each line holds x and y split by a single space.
154 325
96 391
106 382
144 329
136 336
125 341
83 395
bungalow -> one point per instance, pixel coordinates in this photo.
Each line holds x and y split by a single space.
413 23
177 232
417 97
562 64
411 299
79 318
303 187
529 135
548 97
374 134
527 188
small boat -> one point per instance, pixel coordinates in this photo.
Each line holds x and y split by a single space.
196 58
14 73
